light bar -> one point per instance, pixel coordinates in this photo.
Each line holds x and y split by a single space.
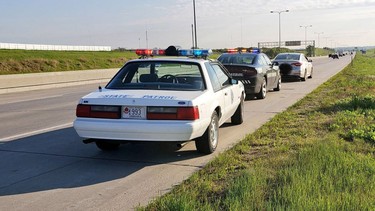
143 52
174 52
254 50
150 52
244 50
158 52
195 52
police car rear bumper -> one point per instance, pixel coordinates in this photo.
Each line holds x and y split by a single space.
252 85
139 130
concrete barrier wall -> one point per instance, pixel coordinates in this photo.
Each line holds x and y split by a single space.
53 47
35 81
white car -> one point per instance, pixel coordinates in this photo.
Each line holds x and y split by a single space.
162 99
294 65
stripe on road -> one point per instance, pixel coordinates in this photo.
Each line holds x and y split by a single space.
36 132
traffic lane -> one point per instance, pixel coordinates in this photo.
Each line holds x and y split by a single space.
152 169
26 113
41 171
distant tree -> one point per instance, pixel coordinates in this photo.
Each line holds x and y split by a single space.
310 51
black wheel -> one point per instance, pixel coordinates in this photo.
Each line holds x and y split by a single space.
107 146
207 143
304 76
311 74
263 90
249 97
237 117
278 85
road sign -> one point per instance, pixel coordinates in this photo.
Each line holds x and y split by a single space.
292 43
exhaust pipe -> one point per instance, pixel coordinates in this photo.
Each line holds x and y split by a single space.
182 144
88 141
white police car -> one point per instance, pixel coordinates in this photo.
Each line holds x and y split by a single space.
162 99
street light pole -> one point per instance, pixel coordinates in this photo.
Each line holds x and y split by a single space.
279 12
319 33
306 33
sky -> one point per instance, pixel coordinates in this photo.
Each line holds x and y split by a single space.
220 23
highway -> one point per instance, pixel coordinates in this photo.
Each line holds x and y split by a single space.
45 166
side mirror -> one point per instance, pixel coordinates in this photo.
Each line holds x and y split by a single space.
234 81
275 64
310 60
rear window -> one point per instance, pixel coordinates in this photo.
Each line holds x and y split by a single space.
237 58
287 57
158 75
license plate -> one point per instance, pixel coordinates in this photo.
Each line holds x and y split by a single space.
134 112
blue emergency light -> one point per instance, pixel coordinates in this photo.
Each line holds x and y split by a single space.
195 52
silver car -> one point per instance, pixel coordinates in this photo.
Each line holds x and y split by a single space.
294 66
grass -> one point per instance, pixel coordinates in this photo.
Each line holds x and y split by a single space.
26 61
317 155
33 61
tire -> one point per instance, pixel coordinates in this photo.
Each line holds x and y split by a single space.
278 85
311 73
207 143
107 146
305 76
237 117
263 90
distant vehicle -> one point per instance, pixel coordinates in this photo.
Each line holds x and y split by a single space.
162 99
335 56
294 66
254 69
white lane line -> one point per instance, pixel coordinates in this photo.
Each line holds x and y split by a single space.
26 100
36 132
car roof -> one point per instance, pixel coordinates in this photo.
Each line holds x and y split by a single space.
244 53
290 53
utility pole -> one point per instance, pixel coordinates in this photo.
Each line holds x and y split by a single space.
195 26
192 35
306 33
146 40
319 33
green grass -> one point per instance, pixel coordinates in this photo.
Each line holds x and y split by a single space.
322 52
33 61
25 61
317 155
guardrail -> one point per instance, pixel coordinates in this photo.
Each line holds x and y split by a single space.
35 81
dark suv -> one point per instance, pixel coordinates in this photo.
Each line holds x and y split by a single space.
255 70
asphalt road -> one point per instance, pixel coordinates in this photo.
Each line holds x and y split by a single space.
45 166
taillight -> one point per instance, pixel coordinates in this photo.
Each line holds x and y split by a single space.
98 111
83 110
172 113
239 71
250 72
188 113
297 64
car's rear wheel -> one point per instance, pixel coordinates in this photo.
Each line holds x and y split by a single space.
311 73
237 117
277 88
304 76
263 90
107 146
207 143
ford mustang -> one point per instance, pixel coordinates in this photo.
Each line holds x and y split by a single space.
162 99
